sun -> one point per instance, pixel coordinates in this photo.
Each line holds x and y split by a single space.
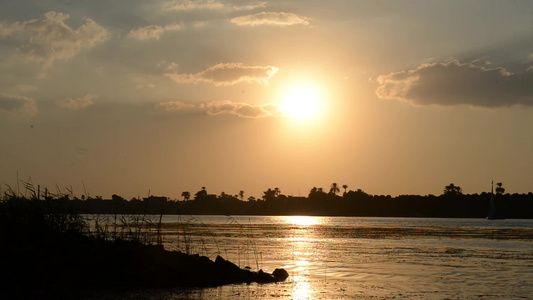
302 102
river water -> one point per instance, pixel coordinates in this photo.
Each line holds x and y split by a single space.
359 258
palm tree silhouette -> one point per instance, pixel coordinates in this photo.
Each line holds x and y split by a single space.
345 186
186 196
334 188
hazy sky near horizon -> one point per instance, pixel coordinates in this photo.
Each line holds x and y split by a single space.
164 96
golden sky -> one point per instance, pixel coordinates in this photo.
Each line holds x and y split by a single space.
391 97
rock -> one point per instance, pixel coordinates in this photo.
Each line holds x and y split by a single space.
280 274
263 277
226 264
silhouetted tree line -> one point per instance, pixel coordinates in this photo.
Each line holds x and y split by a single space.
452 203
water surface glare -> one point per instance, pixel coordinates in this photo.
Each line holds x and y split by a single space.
350 257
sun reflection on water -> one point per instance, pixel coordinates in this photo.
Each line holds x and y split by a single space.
306 254
303 220
302 290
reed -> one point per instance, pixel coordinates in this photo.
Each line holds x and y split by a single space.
144 229
193 235
249 245
24 215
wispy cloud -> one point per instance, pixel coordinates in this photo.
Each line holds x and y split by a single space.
250 6
76 103
187 5
52 39
270 18
176 106
152 31
243 110
455 83
225 74
17 105
192 5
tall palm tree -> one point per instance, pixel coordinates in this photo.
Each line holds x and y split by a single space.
334 188
241 194
186 196
345 186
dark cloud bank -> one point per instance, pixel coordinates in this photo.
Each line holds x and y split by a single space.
455 83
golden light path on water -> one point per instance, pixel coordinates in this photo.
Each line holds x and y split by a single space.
363 258
302 220
303 252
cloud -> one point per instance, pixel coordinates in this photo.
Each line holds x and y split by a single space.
51 39
250 6
270 18
242 110
17 105
214 108
175 106
225 74
192 5
186 5
76 103
152 31
455 83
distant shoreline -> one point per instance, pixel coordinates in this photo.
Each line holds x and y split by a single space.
357 204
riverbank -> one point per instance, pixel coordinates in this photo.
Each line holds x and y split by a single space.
50 253
67 265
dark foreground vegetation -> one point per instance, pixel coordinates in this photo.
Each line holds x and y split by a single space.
452 203
48 250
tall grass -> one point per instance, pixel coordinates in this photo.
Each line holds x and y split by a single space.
193 236
249 246
144 229
30 217
37 214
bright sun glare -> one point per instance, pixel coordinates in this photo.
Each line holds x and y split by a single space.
302 220
302 102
